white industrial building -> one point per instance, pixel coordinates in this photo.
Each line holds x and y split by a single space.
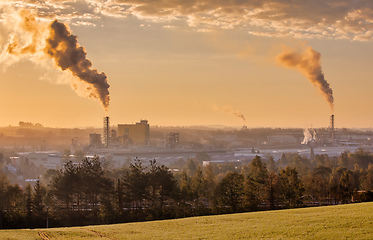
48 159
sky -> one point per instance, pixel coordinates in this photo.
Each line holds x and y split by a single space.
259 63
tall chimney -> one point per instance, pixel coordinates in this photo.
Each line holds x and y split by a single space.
332 129
106 132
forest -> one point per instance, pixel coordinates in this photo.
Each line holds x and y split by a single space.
89 193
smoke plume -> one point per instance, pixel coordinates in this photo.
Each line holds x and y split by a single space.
63 47
36 41
229 110
234 113
309 64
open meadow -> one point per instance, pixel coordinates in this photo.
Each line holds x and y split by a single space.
352 221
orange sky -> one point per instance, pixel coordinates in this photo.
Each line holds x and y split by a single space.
189 64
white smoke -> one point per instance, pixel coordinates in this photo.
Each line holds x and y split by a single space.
308 136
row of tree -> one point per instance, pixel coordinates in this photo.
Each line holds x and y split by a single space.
86 193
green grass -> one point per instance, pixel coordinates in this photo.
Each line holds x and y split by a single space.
353 221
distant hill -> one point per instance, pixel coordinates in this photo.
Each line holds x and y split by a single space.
352 221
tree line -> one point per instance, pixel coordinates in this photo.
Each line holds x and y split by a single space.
88 193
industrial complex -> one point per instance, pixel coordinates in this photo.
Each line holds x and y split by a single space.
119 145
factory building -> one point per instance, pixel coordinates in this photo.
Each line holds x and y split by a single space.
47 159
172 139
95 140
136 134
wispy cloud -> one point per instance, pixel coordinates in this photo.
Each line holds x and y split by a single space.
334 19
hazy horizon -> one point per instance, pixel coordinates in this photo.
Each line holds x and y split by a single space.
219 127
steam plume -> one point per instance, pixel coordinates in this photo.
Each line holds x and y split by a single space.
35 40
308 136
309 64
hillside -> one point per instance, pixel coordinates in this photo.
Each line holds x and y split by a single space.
353 221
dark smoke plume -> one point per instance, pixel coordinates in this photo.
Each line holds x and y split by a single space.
35 40
309 64
235 113
63 47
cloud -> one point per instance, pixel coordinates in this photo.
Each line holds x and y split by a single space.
332 19
83 23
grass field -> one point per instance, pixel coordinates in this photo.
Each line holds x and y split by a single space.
353 221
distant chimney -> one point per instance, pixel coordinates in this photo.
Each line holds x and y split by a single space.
332 128
106 132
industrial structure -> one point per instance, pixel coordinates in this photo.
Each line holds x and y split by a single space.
134 134
106 134
172 139
332 131
95 140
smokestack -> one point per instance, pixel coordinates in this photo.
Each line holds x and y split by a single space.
309 64
332 129
106 131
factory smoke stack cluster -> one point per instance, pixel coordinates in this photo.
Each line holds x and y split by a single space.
309 64
36 40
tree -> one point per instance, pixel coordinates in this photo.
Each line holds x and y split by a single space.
322 160
136 182
191 167
291 186
38 198
367 182
362 158
81 187
38 204
28 198
3 198
272 166
343 160
11 202
256 183
345 190
161 186
231 191
300 163
341 185
186 188
64 186
210 185
185 195
317 183
272 189
119 198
